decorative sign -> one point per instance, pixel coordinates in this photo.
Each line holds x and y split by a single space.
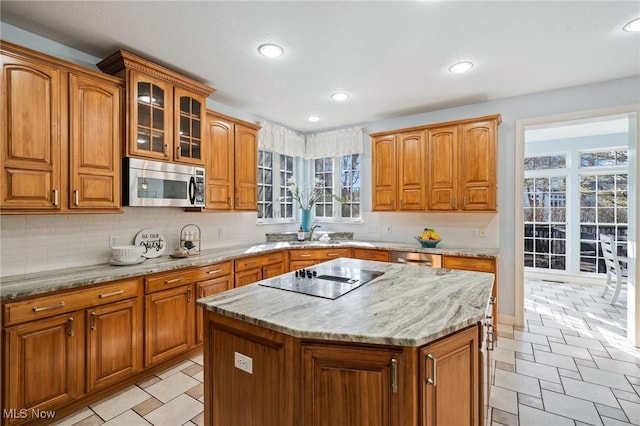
152 241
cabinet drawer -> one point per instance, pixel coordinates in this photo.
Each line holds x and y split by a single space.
217 270
319 254
170 280
371 254
258 261
46 306
479 264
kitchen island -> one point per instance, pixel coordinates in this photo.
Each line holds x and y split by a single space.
402 349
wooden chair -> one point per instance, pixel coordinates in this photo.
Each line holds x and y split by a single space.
614 269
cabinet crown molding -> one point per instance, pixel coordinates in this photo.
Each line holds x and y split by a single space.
494 117
122 60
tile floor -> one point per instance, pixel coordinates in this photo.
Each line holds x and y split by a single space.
569 365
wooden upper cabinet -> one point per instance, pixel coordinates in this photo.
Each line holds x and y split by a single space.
231 161
166 110
478 151
398 171
246 170
385 180
61 135
442 154
31 134
410 149
462 166
150 120
95 137
219 163
190 116
438 167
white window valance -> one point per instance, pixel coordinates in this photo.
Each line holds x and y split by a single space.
276 138
335 143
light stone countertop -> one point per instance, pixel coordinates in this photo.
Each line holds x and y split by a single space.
407 306
19 286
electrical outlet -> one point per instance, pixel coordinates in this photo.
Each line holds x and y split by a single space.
482 233
243 362
113 241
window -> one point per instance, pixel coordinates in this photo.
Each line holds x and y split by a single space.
350 185
323 175
545 217
338 176
589 186
286 173
274 200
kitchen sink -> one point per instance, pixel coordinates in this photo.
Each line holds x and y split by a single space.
313 243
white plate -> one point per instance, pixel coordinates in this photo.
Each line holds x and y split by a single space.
123 263
153 242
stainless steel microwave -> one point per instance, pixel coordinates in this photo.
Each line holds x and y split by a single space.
149 183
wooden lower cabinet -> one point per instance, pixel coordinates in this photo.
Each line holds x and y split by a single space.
450 380
372 254
250 377
303 258
350 386
169 323
42 367
248 270
209 288
258 377
114 336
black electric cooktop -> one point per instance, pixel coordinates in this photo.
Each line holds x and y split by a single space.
322 281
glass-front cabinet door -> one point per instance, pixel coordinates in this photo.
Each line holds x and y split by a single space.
151 124
188 109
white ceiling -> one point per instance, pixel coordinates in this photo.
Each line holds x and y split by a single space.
392 57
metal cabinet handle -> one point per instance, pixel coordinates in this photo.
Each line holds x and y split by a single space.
113 293
178 152
305 255
394 375
164 150
215 271
188 295
56 197
237 201
175 280
333 254
455 203
201 292
71 328
93 320
490 337
76 197
433 370
46 308
272 259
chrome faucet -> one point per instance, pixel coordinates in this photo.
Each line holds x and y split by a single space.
313 229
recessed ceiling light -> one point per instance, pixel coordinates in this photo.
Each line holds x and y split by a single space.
313 118
461 67
271 50
633 25
340 96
